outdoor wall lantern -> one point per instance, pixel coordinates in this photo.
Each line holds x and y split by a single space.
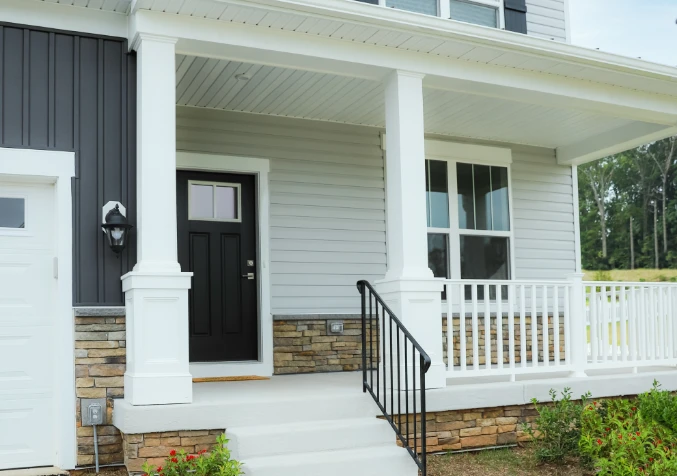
115 225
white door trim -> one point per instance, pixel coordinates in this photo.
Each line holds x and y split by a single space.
259 168
58 168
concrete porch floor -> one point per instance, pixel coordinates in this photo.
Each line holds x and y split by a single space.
309 397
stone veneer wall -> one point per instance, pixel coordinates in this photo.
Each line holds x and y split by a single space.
506 338
476 428
155 447
304 346
99 368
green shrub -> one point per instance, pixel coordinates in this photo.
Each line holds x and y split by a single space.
557 428
617 441
602 276
642 280
215 463
673 279
662 278
659 406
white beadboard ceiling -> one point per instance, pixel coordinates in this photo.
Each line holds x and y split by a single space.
119 6
544 56
212 83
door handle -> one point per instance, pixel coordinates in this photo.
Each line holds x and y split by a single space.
248 275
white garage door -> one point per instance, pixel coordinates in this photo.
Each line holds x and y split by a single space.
27 323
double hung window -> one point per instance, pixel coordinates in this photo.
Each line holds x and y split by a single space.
469 226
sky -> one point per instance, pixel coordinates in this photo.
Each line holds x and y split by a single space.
635 28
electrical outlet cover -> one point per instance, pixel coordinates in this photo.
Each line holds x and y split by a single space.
84 410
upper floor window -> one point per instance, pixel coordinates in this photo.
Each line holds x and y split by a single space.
427 7
480 13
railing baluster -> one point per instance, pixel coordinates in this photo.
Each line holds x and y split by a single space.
614 333
555 324
624 323
392 388
383 356
499 327
652 322
461 329
605 323
475 330
546 325
632 322
511 329
424 426
450 329
660 347
669 354
642 321
406 389
592 305
413 370
399 385
363 300
567 324
487 329
534 327
371 354
523 327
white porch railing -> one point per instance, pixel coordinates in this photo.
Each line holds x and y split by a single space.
531 327
631 324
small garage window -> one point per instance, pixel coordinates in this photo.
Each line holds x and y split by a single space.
12 212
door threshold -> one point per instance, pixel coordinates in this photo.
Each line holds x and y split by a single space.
248 369
240 378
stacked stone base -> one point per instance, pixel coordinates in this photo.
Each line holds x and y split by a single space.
155 447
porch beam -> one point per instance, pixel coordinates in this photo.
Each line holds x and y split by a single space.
271 46
612 142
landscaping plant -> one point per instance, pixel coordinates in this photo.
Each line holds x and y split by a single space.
217 462
617 440
660 406
557 428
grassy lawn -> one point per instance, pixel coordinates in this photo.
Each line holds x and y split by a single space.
503 462
634 275
618 333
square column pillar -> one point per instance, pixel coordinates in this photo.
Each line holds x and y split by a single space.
156 291
409 287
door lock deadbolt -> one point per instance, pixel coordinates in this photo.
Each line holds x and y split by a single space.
250 262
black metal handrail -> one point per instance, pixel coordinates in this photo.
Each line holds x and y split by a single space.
401 364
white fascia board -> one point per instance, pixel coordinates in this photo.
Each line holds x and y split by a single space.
64 17
259 44
612 142
443 149
415 23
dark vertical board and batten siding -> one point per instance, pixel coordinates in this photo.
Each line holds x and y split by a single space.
70 92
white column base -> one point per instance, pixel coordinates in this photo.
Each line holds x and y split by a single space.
417 302
157 338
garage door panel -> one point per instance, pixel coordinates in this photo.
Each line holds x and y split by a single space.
26 360
23 441
27 290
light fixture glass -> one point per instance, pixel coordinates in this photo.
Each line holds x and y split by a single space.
116 229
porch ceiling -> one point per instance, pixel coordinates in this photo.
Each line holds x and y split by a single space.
271 90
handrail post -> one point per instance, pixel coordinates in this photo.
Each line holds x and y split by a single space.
578 332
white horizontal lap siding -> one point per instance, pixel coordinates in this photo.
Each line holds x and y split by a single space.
327 202
547 19
543 208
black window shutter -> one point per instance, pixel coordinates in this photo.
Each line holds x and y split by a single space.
516 16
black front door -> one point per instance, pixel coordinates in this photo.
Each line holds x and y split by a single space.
217 243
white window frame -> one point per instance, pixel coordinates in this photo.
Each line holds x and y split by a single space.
453 154
444 9
236 186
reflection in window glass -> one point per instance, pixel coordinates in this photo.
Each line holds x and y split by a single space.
499 199
427 7
226 203
437 196
482 180
438 254
201 201
12 212
473 13
482 197
484 257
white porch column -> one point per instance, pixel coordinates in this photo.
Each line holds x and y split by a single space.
156 291
409 287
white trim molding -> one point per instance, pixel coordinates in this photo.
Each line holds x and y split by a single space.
260 169
58 168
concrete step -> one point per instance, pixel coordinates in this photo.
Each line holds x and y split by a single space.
305 437
371 461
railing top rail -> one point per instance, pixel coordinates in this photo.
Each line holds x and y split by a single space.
426 358
628 283
506 282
